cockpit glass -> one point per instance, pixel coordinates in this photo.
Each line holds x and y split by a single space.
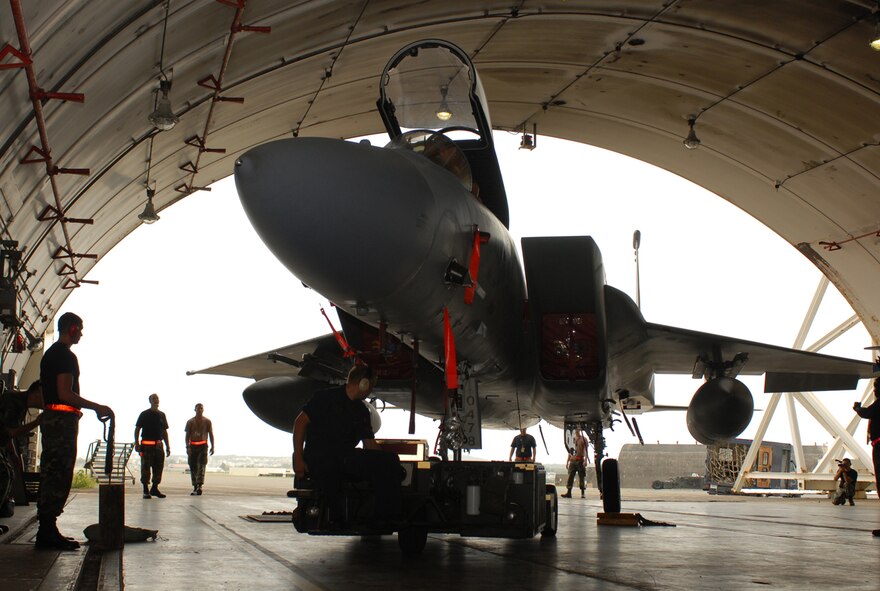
430 89
439 149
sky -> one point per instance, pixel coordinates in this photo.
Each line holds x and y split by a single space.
198 288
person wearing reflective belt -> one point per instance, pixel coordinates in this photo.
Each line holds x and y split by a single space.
576 464
153 427
872 413
59 375
524 446
198 431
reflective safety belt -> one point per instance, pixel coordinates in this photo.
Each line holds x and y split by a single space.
148 442
64 408
198 443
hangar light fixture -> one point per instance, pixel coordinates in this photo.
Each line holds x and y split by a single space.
149 215
691 142
443 113
162 116
529 141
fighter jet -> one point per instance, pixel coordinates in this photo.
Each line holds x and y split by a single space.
410 243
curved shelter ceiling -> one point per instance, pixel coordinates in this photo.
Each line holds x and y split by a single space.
785 95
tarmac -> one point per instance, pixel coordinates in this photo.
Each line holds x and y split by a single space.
208 542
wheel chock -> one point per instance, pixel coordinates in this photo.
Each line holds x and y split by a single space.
627 520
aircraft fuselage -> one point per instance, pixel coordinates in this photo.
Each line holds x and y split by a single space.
374 230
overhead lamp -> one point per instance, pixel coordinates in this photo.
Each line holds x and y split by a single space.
162 116
443 113
691 142
529 141
149 215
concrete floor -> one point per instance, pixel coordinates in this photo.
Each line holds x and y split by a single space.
719 543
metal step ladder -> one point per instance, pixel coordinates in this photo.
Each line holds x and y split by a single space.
96 456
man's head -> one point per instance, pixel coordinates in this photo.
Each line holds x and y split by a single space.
70 328
199 409
154 401
361 380
845 463
522 430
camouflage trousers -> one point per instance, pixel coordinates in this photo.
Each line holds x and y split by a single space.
577 467
59 431
152 460
198 459
7 475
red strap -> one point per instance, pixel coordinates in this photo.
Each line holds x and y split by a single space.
148 442
346 350
474 267
198 443
875 441
449 353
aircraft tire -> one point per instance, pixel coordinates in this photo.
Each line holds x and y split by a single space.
610 486
412 540
552 513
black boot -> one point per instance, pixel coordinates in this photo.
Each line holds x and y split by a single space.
566 495
49 538
146 492
155 492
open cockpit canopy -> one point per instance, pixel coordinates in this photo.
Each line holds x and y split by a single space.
432 85
431 101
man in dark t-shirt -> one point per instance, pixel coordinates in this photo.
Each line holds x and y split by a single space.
524 446
152 428
59 375
325 436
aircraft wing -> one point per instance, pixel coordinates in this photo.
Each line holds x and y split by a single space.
676 350
319 358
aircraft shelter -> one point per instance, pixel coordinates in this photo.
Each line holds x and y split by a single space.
774 105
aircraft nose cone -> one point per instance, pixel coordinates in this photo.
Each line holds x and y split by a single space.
349 220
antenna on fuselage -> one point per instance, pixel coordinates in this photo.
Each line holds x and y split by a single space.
637 239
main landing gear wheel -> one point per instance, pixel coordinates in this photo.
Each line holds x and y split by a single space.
610 486
552 513
412 540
